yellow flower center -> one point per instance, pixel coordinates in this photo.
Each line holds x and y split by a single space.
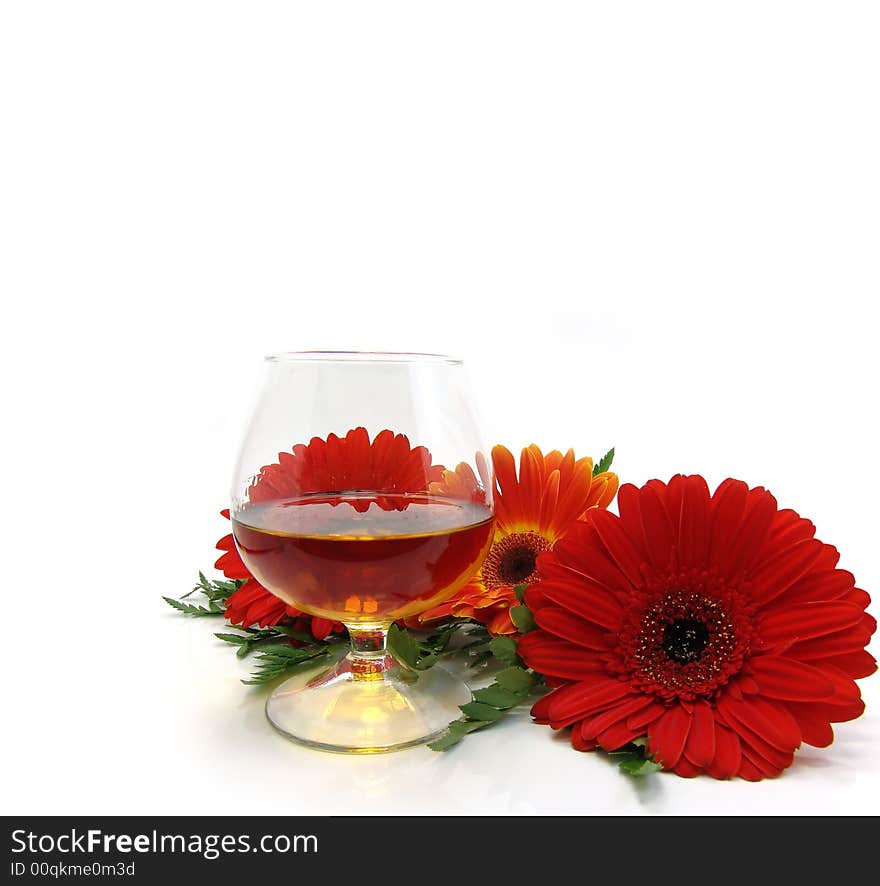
512 559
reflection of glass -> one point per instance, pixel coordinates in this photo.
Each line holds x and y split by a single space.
363 526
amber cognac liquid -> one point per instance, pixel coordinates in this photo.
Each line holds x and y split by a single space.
363 556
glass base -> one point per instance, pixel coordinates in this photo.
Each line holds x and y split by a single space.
346 712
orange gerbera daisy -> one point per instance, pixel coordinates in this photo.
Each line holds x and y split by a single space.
532 512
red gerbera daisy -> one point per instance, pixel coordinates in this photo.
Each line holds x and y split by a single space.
717 625
253 604
387 464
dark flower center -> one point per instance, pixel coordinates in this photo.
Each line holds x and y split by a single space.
517 564
685 639
513 559
687 642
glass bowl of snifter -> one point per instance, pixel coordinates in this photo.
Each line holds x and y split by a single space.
362 495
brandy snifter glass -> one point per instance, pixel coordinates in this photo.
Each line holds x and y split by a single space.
362 495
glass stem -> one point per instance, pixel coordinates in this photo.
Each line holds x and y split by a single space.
369 657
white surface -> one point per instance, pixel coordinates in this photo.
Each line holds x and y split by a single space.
649 225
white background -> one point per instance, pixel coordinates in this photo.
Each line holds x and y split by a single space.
651 225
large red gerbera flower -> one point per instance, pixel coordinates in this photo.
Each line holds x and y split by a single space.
252 604
717 625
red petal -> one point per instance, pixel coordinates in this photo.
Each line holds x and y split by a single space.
657 530
728 507
580 700
814 730
857 596
227 543
845 690
246 594
617 736
700 746
747 684
541 708
748 771
321 628
231 566
838 643
550 655
694 525
569 626
761 752
781 571
618 544
266 612
854 664
785 678
807 621
579 743
641 720
787 528
771 722
581 596
728 755
830 713
667 736
754 763
584 554
631 516
758 514
686 769
822 582
595 724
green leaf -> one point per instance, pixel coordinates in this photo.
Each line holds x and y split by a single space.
403 646
216 592
515 679
498 697
520 591
504 649
287 631
292 653
190 609
457 730
418 655
478 711
489 705
274 661
238 639
604 462
522 617
634 759
463 727
639 766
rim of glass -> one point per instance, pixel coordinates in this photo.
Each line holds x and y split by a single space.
359 357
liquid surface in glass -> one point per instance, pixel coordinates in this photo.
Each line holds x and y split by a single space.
363 556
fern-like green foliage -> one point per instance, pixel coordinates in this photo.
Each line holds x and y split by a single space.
279 659
604 463
216 593
513 686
